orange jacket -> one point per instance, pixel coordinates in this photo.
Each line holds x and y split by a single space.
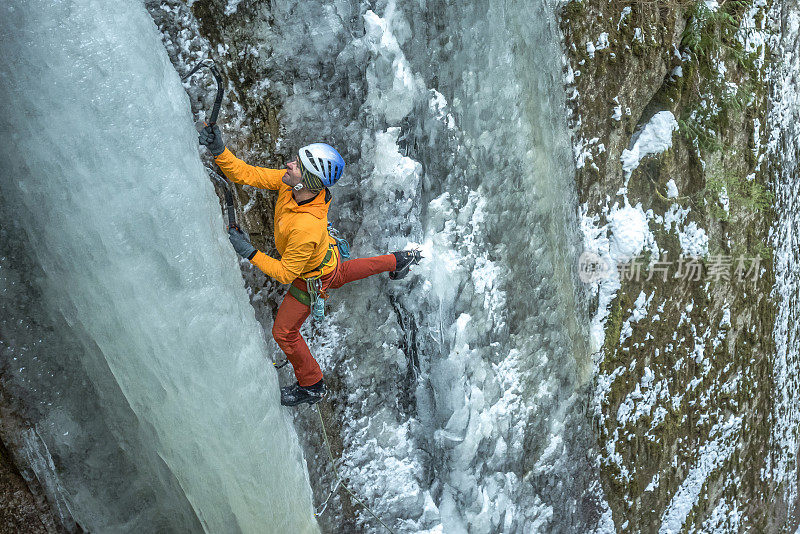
301 231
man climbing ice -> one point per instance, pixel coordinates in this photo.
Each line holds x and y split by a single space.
308 251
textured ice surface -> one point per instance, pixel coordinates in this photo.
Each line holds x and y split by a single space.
784 146
121 222
459 399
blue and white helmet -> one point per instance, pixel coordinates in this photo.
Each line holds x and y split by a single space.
321 166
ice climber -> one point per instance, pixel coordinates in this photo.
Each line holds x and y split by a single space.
307 250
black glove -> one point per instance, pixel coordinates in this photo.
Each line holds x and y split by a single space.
241 243
211 137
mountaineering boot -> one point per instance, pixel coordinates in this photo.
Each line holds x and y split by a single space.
405 260
297 394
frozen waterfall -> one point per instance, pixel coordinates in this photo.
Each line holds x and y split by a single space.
463 387
126 323
784 122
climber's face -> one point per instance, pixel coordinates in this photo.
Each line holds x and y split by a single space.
293 175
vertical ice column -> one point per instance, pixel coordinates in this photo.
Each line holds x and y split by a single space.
481 359
784 149
100 168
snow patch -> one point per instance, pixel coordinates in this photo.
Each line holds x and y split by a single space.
672 189
654 138
694 240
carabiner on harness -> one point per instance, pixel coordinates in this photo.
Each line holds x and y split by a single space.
341 243
317 297
314 296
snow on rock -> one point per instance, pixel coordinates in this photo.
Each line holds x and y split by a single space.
724 200
629 232
625 12
638 313
654 138
712 455
694 240
642 400
590 49
672 189
725 517
784 145
625 236
653 485
602 42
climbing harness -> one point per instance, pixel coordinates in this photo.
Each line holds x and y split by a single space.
339 480
344 246
313 284
315 295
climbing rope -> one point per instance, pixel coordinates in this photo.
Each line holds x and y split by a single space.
339 480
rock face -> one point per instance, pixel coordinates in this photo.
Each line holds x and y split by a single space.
21 510
686 365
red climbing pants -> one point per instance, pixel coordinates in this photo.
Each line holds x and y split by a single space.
292 313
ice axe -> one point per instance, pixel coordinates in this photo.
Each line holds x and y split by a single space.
209 64
222 182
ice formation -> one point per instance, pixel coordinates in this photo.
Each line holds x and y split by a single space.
461 393
116 230
463 376
784 145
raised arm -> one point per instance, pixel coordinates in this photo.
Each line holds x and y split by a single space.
240 172
235 169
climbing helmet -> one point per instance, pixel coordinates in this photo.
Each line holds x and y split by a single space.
320 166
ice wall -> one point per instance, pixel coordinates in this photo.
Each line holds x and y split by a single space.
118 241
784 149
460 387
